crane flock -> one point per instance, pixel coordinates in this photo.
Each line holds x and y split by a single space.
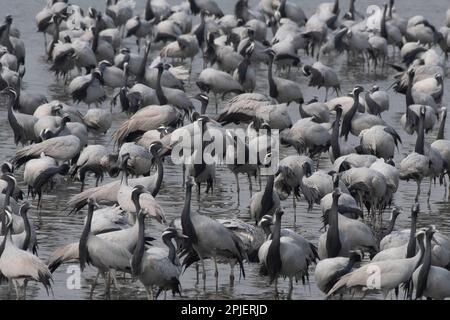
337 147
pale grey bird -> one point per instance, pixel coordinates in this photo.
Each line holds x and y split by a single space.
329 271
243 108
322 76
88 89
281 256
380 141
308 247
97 159
283 90
344 235
218 82
430 281
392 274
417 165
98 121
157 267
60 148
104 255
207 238
316 109
127 201
107 194
265 201
148 118
289 176
20 266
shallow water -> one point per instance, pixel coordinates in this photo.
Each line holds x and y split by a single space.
55 228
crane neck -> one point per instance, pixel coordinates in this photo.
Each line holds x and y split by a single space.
135 199
335 147
391 5
140 77
440 135
82 246
27 227
172 252
411 248
186 219
333 241
148 13
426 266
273 259
420 143
138 253
267 198
391 224
272 85
347 121
383 30
96 38
242 70
336 7
11 185
159 174
408 96
159 90
282 8
17 130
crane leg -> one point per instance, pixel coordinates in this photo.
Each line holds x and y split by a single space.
276 288
16 288
196 269
45 42
237 184
232 274
250 185
429 190
114 280
94 285
217 103
418 190
216 273
204 272
107 278
291 288
295 210
149 293
25 289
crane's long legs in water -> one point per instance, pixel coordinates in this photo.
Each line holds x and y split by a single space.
291 288
295 210
216 273
94 285
429 190
237 187
204 272
25 289
16 288
217 102
250 186
196 271
418 190
149 292
107 277
232 264
276 288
